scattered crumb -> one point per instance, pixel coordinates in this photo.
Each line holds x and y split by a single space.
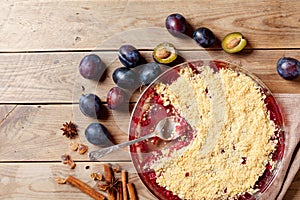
97 176
74 146
60 180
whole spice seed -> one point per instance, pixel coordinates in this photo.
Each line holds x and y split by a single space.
82 148
69 130
97 176
117 168
85 188
103 187
74 146
72 164
110 188
66 159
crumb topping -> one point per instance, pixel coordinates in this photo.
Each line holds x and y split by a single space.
233 130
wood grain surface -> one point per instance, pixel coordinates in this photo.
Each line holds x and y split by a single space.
54 77
28 125
42 43
83 25
37 180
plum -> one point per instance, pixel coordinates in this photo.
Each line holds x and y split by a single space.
149 72
126 78
204 37
115 98
90 105
288 68
176 24
97 134
129 56
91 67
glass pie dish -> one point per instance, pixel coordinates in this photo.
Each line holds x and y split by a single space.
150 109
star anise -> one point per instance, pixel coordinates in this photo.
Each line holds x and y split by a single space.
69 130
110 187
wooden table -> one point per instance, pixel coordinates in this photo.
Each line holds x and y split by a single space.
42 43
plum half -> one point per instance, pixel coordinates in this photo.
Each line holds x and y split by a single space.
164 53
234 42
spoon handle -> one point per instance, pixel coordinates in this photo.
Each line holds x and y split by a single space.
95 155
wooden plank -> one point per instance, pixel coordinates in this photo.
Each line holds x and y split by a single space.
54 77
5 111
32 133
81 24
36 180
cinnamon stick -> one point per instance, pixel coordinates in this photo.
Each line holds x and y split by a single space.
124 185
85 188
120 192
131 191
108 173
111 195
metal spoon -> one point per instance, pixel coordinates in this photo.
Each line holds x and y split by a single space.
165 129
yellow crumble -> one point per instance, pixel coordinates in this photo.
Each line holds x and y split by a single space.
227 111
